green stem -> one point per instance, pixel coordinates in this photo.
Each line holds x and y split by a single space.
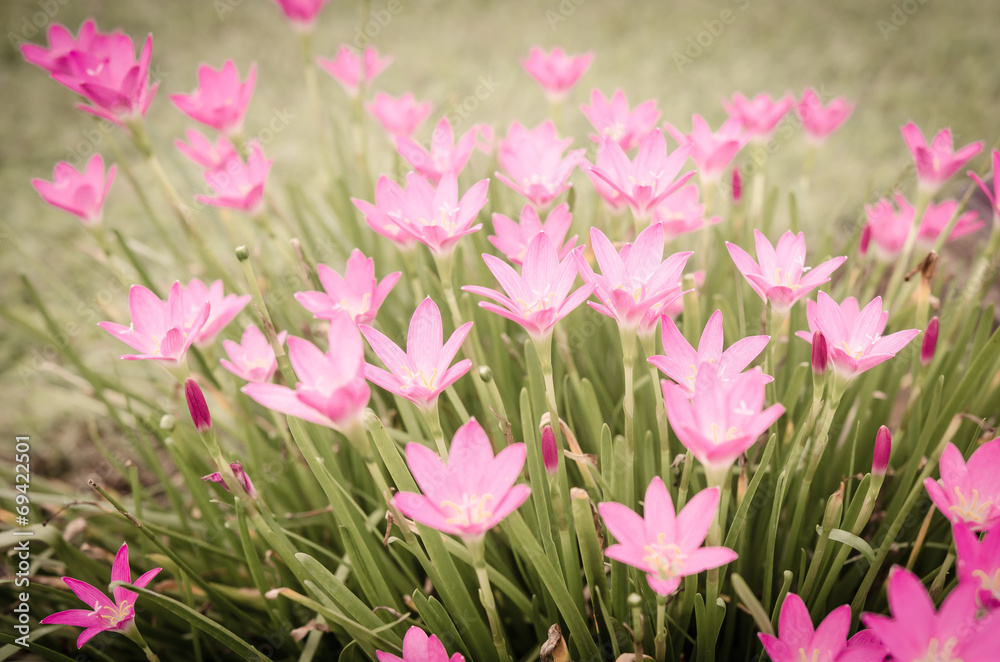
433 418
478 552
628 406
648 343
902 264
661 628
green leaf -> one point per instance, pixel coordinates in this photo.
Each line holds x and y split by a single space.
752 604
854 541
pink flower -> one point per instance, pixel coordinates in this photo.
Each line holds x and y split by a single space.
422 373
418 647
221 100
540 296
302 13
197 407
223 308
103 69
485 138
400 116
979 563
994 195
760 115
722 419
888 228
632 281
388 200
680 213
556 72
779 275
239 185
648 179
936 219
918 632
358 292
241 476
470 494
828 643
613 119
445 155
111 616
819 121
210 157
349 70
332 390
160 330
711 152
853 336
939 160
682 363
512 239
534 162
672 308
252 358
54 59
969 493
437 218
80 193
664 545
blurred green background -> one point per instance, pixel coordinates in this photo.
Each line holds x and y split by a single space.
933 62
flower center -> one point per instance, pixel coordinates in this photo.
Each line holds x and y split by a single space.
666 559
729 435
112 616
970 511
471 511
814 657
938 653
788 279
411 377
987 583
355 310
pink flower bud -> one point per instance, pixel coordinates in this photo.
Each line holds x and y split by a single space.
241 476
737 186
820 355
883 448
930 341
197 406
550 454
866 237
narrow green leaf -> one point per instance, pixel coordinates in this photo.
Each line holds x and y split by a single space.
854 541
752 604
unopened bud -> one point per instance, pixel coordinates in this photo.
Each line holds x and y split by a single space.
929 345
883 448
197 406
820 353
241 476
242 253
737 186
167 422
486 373
550 453
866 237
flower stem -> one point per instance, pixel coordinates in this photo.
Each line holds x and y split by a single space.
628 356
906 254
661 628
433 418
648 343
478 551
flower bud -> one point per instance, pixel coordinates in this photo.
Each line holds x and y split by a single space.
167 422
241 476
197 406
550 454
820 353
883 448
242 253
737 186
930 341
486 373
866 237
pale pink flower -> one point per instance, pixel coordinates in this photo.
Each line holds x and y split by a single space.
470 494
351 71
937 161
103 614
681 362
722 419
79 193
224 308
662 543
485 138
799 641
556 71
936 219
512 239
358 292
680 212
614 201
534 162
635 279
160 330
445 155
302 13
388 200
220 100
854 337
612 118
252 358
102 68
760 115
969 493
711 152
238 184
917 632
887 228
647 180
538 297
979 562
779 274
994 195
241 475
418 647
399 116
331 390
424 371
819 121
201 150
672 308
436 217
